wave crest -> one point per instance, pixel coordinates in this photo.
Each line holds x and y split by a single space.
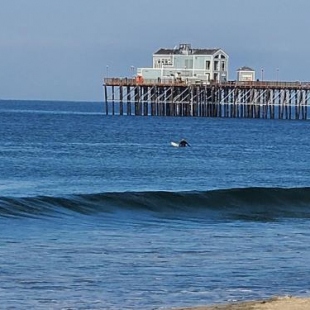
235 203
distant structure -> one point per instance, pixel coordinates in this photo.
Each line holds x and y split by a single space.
245 74
184 63
194 82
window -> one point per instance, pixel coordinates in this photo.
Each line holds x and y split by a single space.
216 65
208 63
189 63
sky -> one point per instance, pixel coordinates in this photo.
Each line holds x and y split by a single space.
62 49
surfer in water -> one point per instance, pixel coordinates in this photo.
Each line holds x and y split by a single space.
183 143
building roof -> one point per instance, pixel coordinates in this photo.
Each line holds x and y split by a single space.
192 51
245 68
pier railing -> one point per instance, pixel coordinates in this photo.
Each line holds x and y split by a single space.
176 82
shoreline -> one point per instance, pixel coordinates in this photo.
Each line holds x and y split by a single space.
276 303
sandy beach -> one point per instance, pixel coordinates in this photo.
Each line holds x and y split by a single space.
277 303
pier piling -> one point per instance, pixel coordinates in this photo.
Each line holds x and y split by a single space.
255 99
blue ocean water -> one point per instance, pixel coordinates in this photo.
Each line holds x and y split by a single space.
101 212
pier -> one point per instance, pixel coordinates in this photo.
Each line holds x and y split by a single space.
233 99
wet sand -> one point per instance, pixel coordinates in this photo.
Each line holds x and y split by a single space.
277 303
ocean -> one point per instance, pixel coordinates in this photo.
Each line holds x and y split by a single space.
101 212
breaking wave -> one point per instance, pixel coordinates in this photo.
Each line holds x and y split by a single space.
262 204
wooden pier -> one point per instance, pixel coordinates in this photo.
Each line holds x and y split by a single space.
259 99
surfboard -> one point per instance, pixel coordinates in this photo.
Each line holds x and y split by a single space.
175 144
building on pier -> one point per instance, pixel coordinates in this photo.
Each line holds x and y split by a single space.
245 74
184 63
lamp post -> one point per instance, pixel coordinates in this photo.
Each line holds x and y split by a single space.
107 71
277 74
262 76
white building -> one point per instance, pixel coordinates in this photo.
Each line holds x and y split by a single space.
187 64
245 74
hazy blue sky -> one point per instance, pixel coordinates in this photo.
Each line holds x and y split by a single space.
60 49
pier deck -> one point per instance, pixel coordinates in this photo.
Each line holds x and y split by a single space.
257 99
